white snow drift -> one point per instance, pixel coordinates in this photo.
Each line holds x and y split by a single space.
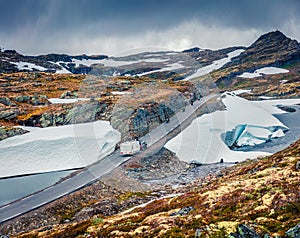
67 100
56 148
262 71
202 142
169 67
28 66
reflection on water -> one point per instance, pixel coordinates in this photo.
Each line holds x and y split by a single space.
14 188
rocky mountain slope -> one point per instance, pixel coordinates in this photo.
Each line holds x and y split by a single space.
261 197
273 49
11 61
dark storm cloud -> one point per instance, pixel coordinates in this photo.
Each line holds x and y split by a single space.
39 20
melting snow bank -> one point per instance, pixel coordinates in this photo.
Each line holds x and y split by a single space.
262 71
66 100
250 125
57 148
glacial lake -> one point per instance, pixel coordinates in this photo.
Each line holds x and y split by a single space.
15 188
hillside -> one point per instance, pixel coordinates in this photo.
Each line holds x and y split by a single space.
136 93
262 194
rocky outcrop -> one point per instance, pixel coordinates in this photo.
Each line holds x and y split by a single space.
82 113
148 116
5 101
243 231
6 132
163 164
294 231
36 100
8 113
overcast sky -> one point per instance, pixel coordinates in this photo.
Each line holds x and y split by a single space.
114 26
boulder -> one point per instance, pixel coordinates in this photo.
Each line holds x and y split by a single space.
9 114
39 100
68 94
22 98
6 132
46 120
294 232
243 231
183 211
297 167
5 101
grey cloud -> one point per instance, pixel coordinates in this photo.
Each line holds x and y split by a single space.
35 24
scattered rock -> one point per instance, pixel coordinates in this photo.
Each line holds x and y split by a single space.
161 165
183 211
287 109
243 231
9 114
23 98
294 232
5 101
68 94
298 165
6 132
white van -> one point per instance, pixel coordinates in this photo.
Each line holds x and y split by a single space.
130 147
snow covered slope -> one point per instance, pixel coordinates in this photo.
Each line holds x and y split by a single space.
56 148
202 141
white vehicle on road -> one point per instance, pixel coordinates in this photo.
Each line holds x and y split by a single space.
132 147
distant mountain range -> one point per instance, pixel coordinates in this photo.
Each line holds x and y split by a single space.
273 49
230 68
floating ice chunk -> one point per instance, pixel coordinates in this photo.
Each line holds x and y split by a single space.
278 133
254 135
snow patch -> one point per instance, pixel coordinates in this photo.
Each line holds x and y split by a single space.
215 65
105 62
66 100
28 66
265 97
169 67
155 60
57 148
63 71
120 93
262 71
241 91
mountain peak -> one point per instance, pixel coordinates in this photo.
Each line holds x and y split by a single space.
275 38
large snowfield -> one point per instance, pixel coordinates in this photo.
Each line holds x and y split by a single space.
56 148
253 123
